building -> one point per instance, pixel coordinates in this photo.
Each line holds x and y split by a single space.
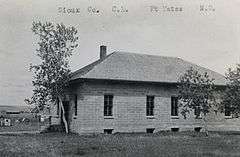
129 92
9 115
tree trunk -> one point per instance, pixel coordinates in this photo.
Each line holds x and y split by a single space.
63 115
205 124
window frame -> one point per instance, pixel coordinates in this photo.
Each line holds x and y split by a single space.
150 105
108 105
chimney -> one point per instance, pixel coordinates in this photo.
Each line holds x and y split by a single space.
103 51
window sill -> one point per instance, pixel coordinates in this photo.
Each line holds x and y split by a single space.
150 117
108 117
228 117
174 117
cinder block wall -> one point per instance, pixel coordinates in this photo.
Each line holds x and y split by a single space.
129 109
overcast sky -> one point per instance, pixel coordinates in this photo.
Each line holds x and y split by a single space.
210 39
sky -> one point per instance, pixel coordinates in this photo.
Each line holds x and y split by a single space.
209 38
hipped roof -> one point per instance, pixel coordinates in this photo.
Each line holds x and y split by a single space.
141 67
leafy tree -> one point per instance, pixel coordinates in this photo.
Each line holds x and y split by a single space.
231 96
196 92
55 46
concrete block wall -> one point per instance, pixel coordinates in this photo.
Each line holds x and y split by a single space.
129 109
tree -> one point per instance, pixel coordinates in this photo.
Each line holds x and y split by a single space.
50 77
231 96
196 92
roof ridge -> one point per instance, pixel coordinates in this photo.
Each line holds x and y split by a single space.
145 54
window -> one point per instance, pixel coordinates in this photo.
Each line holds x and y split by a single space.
58 110
75 104
174 129
227 110
174 106
197 129
197 112
150 106
108 131
150 130
108 105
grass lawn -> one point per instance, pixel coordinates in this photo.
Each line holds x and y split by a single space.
124 145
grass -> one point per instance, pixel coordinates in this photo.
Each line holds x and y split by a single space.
121 145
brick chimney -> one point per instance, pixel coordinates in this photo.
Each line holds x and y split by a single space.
103 51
